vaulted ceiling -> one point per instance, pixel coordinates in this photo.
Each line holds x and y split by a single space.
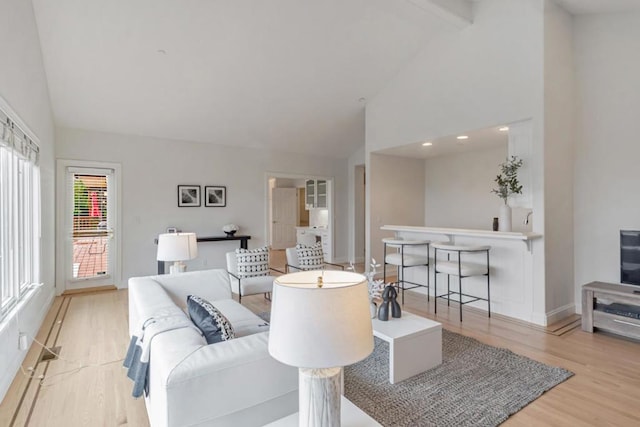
284 74
291 75
599 6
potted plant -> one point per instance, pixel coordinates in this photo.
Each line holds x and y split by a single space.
508 185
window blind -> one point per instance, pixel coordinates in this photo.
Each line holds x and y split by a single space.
90 228
19 212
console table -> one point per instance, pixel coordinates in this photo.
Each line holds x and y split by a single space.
611 307
243 245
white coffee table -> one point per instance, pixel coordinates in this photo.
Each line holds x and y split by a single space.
415 344
351 416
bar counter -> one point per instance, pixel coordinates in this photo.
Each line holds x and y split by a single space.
515 287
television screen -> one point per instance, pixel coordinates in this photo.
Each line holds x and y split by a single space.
630 257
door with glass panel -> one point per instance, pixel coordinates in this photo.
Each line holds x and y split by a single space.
90 227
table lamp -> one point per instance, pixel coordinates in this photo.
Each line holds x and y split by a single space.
177 247
320 322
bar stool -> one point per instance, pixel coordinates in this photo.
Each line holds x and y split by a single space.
403 260
460 269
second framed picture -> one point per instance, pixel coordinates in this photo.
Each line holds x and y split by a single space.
215 196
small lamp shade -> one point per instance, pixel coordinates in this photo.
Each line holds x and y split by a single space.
320 327
177 247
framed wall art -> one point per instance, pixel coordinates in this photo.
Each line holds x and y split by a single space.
188 196
215 196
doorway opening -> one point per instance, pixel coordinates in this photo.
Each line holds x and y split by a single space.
298 205
88 220
359 214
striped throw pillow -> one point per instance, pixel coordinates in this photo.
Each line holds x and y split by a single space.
253 263
310 257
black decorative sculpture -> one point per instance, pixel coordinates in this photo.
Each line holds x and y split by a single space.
389 303
396 311
383 311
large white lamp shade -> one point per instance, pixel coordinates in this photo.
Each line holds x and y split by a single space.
177 247
320 330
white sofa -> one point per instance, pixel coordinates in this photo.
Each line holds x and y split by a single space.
230 383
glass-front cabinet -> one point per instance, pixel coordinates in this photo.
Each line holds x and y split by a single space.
316 193
310 191
321 193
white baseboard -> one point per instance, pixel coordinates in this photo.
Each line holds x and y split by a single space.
560 313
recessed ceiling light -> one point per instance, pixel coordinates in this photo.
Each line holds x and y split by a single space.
427 144
462 137
504 128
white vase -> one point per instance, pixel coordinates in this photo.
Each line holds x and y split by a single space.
373 308
504 221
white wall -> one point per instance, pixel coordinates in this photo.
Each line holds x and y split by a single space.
319 217
489 73
607 175
397 197
23 86
285 183
486 74
458 189
152 168
559 129
356 159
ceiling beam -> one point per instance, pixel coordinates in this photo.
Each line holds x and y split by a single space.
456 12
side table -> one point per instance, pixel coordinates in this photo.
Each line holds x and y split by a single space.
415 344
611 307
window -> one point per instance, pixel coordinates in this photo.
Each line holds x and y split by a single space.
19 213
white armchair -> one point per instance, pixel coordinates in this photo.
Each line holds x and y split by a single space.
293 263
244 286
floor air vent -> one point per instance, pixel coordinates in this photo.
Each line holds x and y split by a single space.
47 354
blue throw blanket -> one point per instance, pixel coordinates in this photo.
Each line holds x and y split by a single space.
139 351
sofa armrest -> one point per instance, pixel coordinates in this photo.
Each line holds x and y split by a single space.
216 381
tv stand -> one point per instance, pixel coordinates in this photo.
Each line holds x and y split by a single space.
611 307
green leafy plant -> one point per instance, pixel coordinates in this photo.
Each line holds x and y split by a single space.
80 198
508 179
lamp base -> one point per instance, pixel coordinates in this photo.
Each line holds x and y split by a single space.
177 267
319 397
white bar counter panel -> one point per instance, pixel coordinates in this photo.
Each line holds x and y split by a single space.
511 267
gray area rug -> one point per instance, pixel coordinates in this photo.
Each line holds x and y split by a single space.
265 315
476 385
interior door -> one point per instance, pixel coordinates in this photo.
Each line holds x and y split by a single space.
90 227
283 217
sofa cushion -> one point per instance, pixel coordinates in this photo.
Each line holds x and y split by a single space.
252 262
310 257
213 324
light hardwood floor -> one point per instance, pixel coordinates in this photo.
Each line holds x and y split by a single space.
92 329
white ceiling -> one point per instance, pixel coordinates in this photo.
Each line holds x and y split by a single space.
480 139
283 74
599 6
